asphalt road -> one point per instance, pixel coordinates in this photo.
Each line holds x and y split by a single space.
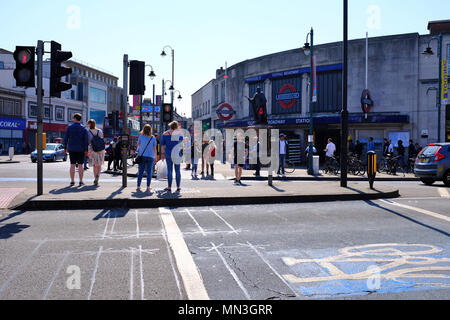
351 250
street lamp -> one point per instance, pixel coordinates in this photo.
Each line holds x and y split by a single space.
171 88
164 54
309 51
179 95
429 52
344 112
152 76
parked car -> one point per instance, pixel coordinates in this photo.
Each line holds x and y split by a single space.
433 164
52 152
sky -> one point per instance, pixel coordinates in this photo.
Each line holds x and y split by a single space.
204 33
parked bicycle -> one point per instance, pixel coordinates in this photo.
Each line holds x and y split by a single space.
355 166
332 166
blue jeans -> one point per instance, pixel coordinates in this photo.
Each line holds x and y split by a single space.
170 165
146 165
194 168
282 164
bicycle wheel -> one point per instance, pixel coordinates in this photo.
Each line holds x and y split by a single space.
290 168
381 167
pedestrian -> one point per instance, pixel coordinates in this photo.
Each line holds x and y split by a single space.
118 155
240 153
1 148
329 151
358 149
390 149
110 152
385 147
204 147
210 158
411 150
307 155
195 149
171 147
351 147
147 150
256 151
283 154
86 158
371 145
418 148
401 153
76 143
96 149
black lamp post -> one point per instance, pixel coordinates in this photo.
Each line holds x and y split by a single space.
344 113
309 51
428 51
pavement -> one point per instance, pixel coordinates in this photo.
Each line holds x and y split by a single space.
58 195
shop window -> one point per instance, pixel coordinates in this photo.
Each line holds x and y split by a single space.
59 113
329 91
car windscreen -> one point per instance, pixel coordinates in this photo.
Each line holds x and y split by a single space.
51 147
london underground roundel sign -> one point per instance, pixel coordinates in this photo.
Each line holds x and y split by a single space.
288 96
225 112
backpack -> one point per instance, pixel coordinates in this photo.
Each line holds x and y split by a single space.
98 144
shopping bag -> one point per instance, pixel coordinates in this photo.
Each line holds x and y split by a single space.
161 170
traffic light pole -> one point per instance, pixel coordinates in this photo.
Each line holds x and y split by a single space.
344 114
161 123
125 121
40 127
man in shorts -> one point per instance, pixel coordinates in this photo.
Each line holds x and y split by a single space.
76 143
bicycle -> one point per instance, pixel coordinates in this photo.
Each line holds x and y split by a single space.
355 166
394 166
290 167
332 167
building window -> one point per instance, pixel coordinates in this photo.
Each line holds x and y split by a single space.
71 113
59 113
216 94
222 87
32 111
2 65
48 114
97 95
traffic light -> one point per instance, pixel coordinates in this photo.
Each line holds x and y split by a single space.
137 78
24 72
116 117
167 114
57 71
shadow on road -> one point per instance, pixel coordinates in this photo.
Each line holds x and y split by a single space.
9 230
111 213
370 203
73 190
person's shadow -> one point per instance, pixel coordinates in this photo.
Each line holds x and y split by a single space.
9 230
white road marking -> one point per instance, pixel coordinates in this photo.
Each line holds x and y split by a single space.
271 268
95 272
137 224
231 271
66 255
163 232
106 226
229 225
26 262
142 272
423 211
192 280
114 224
132 274
444 193
195 221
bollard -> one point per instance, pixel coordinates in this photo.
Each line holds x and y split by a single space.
371 167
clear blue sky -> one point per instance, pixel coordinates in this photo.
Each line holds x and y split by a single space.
204 33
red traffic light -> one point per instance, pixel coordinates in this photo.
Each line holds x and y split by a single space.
261 111
24 56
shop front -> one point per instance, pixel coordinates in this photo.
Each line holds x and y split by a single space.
55 132
12 134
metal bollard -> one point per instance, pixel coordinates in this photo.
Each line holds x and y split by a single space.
371 167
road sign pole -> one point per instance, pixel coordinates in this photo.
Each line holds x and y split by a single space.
40 127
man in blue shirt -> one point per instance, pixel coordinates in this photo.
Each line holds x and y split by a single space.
76 143
371 145
171 152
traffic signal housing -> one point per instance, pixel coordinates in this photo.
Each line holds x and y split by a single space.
167 114
57 71
24 72
137 78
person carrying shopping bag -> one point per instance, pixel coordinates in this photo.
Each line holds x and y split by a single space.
96 149
146 156
171 145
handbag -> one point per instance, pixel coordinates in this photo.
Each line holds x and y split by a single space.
138 159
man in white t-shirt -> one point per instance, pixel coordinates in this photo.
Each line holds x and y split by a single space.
283 155
330 150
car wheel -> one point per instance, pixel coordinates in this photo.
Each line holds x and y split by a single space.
54 159
65 158
428 182
447 179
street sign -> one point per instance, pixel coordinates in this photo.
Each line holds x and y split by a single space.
149 109
225 112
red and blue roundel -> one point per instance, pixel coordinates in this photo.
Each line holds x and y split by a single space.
288 96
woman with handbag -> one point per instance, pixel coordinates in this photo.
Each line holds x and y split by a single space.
96 149
146 156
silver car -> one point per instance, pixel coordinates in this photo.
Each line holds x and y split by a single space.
53 152
433 164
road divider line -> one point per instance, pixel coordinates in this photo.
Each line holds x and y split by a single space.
423 211
142 273
137 224
106 226
195 221
25 263
444 193
190 275
224 221
95 272
272 268
231 271
66 255
132 274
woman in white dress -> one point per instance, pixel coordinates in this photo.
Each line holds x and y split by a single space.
96 159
